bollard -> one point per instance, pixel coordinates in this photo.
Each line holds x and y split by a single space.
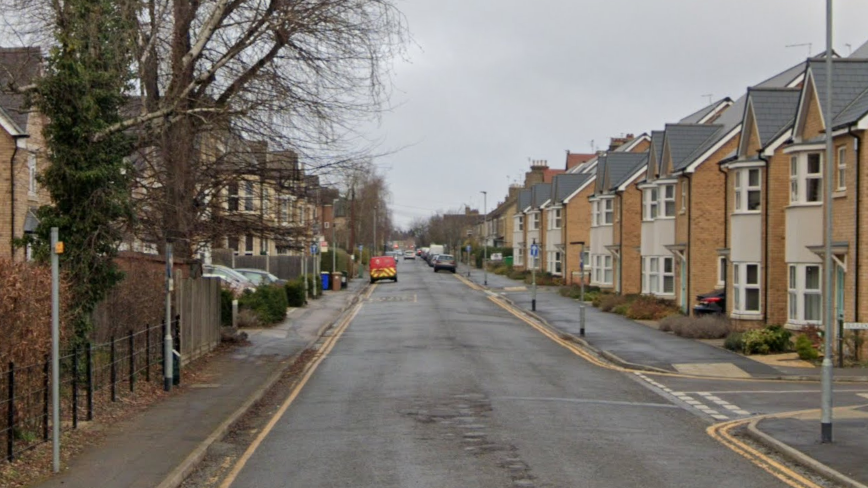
582 320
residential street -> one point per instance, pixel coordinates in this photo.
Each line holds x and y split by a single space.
432 384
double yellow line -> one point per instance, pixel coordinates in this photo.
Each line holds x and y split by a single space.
721 432
308 371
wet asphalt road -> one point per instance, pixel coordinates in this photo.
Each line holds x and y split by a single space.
432 385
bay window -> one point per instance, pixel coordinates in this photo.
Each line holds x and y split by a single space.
554 262
607 211
805 294
595 213
814 179
602 269
748 190
557 218
658 276
806 178
746 287
650 199
534 221
842 168
667 201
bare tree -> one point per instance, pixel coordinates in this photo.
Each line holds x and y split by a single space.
299 74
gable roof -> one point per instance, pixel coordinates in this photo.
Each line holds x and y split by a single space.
683 140
524 199
19 66
706 112
599 183
566 185
860 52
849 82
621 167
774 110
542 192
575 159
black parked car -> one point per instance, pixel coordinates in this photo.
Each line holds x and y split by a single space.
713 302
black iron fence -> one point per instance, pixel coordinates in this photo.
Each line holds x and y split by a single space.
89 376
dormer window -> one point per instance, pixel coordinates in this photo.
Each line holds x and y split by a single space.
806 178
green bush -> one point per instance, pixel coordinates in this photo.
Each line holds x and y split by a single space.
621 309
646 307
269 302
226 298
295 293
609 301
772 339
734 342
805 348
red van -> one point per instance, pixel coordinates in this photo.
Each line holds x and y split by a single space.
383 268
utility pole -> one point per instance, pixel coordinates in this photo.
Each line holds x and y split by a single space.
582 287
56 250
485 234
353 227
374 249
334 246
534 252
828 312
168 349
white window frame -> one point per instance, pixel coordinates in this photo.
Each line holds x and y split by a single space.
249 196
655 274
519 222
607 211
519 256
683 196
741 287
554 263
814 176
794 179
534 221
744 188
558 218
666 194
595 213
31 175
842 168
721 270
798 293
667 276
649 198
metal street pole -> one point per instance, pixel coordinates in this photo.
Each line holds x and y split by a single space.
533 278
314 253
55 349
826 417
485 241
304 269
373 249
168 350
582 291
334 246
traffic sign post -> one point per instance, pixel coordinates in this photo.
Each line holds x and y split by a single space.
534 253
467 250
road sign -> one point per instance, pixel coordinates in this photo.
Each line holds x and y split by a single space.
856 325
534 250
361 247
468 248
313 249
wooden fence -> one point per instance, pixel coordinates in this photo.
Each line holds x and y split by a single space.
198 304
284 267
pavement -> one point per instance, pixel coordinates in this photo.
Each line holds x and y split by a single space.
633 345
160 446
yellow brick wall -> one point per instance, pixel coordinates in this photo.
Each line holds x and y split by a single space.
577 221
628 233
705 209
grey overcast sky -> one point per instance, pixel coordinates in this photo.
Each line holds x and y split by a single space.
489 84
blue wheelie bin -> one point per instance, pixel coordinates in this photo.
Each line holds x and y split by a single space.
325 280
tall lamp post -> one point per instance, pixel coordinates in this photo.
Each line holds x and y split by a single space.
334 243
826 377
485 237
374 248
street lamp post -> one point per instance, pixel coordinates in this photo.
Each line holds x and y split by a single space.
374 248
826 377
334 243
485 237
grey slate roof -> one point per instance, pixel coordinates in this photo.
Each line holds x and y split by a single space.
860 52
850 80
695 117
774 109
524 199
541 193
657 137
564 185
684 140
18 67
600 173
783 78
622 166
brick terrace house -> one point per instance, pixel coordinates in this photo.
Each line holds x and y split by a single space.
22 150
519 234
801 177
571 192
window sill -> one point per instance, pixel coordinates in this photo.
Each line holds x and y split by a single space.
746 316
840 193
804 204
747 212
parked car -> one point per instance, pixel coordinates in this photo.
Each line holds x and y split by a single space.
409 255
431 258
383 268
444 261
713 302
260 276
230 278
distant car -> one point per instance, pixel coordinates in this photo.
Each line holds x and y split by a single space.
711 303
444 261
260 277
383 268
418 252
409 255
230 278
